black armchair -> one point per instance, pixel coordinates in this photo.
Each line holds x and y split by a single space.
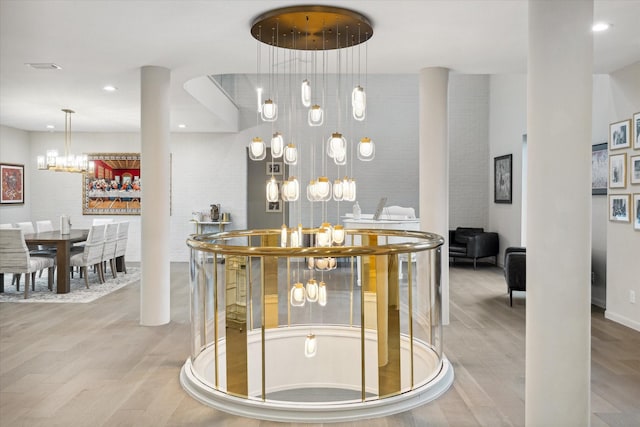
515 270
473 243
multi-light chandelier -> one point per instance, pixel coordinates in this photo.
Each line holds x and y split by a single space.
295 96
69 162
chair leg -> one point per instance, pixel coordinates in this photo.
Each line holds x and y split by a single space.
16 278
27 277
474 263
50 278
112 262
124 265
510 297
86 276
100 273
33 281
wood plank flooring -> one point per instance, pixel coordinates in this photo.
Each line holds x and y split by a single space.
94 365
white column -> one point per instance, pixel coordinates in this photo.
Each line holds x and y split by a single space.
154 129
434 165
559 89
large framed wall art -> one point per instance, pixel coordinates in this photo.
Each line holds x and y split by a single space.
11 184
116 186
502 175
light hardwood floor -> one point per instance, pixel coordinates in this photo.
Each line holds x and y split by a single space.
94 365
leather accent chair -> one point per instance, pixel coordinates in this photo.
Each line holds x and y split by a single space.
515 270
473 243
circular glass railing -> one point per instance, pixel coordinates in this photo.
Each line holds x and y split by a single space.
316 332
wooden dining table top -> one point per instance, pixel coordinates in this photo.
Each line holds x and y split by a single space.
75 235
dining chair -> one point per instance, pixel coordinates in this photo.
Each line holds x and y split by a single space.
92 254
15 258
38 250
102 221
121 246
109 251
44 225
16 277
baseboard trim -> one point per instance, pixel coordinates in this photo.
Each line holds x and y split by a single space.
608 314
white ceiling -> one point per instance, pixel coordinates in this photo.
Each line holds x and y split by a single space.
99 42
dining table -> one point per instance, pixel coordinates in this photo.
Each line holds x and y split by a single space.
62 243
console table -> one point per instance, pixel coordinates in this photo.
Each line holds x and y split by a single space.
202 225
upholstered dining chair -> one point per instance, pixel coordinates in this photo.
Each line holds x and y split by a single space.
121 246
44 225
15 258
91 254
109 251
39 250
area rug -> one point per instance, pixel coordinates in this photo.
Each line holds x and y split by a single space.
79 293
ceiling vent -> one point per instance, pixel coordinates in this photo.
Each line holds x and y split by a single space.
43 65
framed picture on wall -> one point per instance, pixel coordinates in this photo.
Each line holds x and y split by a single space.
274 206
599 169
636 212
636 131
274 168
635 169
502 179
620 135
11 184
618 171
619 207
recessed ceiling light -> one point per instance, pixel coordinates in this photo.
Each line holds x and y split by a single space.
109 88
51 127
182 126
43 65
600 26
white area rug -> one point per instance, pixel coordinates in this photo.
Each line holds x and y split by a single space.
79 293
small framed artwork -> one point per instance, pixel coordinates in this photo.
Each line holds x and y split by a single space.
619 207
635 124
635 169
599 169
11 184
274 206
636 212
502 179
620 135
274 168
618 171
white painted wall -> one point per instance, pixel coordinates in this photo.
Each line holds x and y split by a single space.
623 243
507 124
14 148
468 151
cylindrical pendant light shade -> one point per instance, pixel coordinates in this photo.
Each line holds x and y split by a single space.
366 149
283 236
298 295
337 190
305 93
257 149
322 294
310 346
277 145
291 154
358 103
316 116
323 189
312 290
338 234
336 145
272 190
269 112
291 189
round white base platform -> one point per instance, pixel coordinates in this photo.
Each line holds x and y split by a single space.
316 412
